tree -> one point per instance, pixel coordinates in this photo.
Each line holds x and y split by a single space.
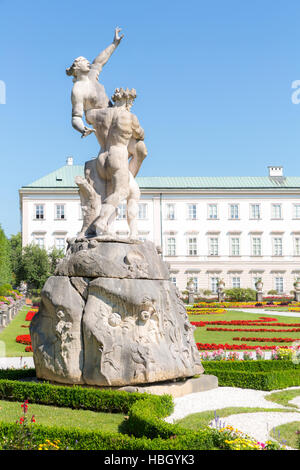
54 255
16 258
237 294
36 266
5 264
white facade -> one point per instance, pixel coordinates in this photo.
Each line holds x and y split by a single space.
237 234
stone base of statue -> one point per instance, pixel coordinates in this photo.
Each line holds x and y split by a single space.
111 317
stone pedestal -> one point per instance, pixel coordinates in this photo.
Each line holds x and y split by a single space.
111 317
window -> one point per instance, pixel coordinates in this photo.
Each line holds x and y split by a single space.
173 279
235 246
60 243
236 282
40 241
39 211
212 211
276 211
143 210
279 284
213 246
214 284
256 246
122 211
60 211
142 238
296 211
233 211
297 246
254 211
277 246
192 211
170 211
195 281
192 246
171 246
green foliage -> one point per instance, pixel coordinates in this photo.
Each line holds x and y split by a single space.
5 289
5 265
16 257
238 294
272 292
35 266
54 256
251 366
257 380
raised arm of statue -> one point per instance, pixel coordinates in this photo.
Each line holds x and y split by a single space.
78 111
103 57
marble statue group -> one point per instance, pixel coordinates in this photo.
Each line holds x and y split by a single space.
121 138
110 316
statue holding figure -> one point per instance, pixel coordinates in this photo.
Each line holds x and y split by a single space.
121 138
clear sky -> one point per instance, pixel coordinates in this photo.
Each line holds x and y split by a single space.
213 80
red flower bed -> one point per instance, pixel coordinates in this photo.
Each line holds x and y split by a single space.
257 330
231 347
242 322
30 315
23 339
28 349
266 340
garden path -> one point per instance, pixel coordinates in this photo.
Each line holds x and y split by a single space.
267 312
16 362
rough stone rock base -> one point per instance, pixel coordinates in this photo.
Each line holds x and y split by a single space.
178 388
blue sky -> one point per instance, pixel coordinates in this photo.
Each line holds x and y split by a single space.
213 80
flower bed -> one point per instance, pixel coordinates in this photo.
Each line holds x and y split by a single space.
266 340
204 311
30 315
23 339
257 330
231 347
261 322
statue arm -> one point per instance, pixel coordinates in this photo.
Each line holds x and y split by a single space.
77 114
104 56
137 130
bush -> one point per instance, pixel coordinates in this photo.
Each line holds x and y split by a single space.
238 294
272 292
258 375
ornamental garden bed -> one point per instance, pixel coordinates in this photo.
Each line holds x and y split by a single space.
143 428
220 333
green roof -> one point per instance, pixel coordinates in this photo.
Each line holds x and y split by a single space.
64 178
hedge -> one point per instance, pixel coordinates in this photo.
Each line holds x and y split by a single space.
144 427
270 380
254 366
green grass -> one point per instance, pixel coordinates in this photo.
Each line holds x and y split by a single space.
197 420
221 337
283 398
288 433
8 335
62 417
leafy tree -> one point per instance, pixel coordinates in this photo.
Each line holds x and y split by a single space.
54 256
16 257
36 266
5 265
238 294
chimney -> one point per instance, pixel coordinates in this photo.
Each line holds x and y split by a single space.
69 161
275 171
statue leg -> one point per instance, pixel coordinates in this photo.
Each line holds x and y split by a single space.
133 207
117 169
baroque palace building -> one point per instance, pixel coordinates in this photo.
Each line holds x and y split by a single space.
235 228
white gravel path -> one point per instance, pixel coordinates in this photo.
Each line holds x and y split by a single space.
259 425
295 401
16 362
266 312
218 398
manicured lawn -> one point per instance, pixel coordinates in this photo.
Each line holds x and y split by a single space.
8 335
283 398
287 432
196 420
62 417
221 337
